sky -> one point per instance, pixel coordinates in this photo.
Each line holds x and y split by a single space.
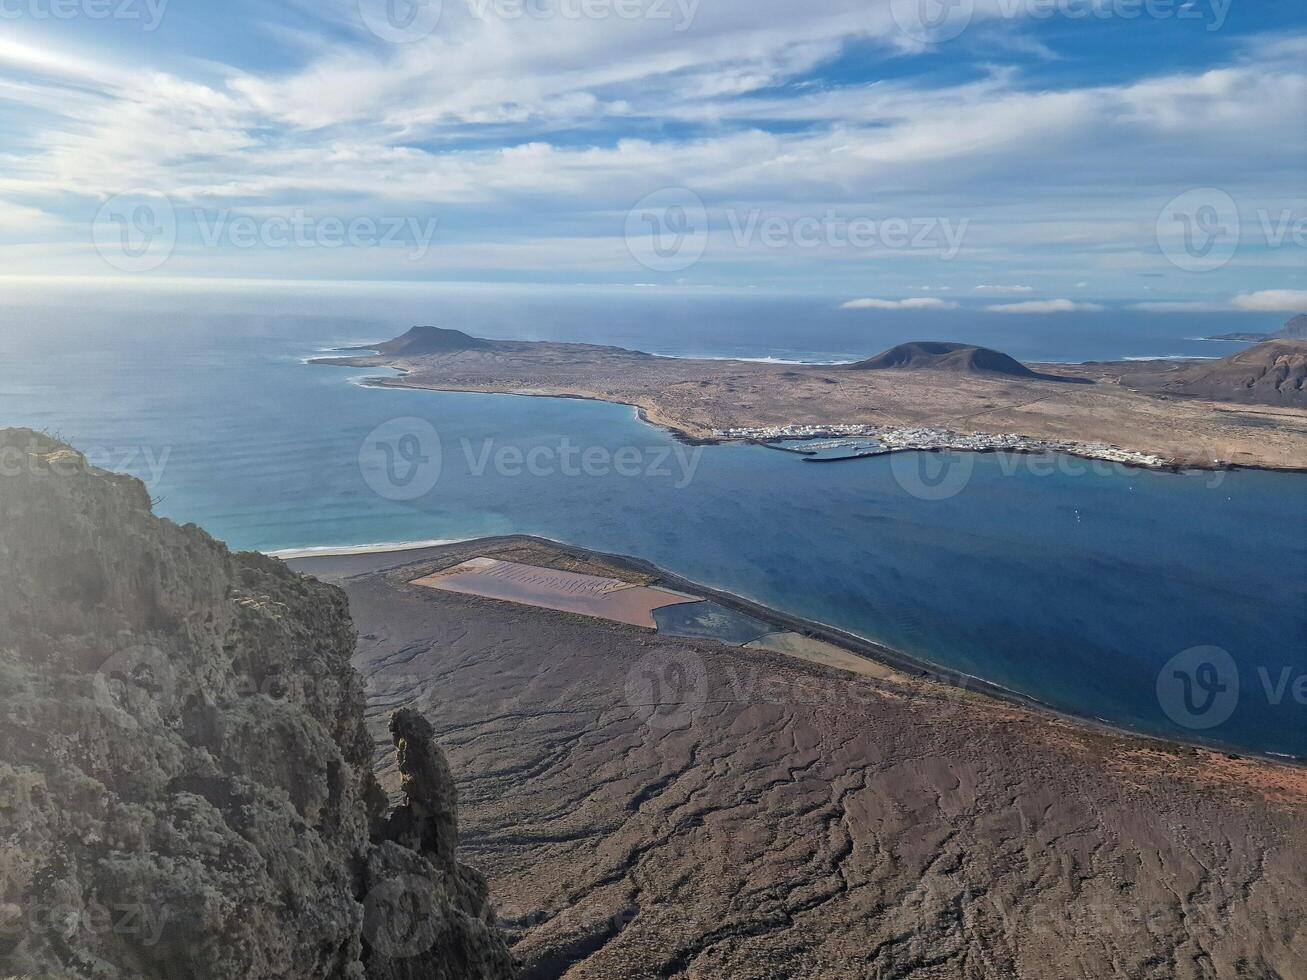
1021 156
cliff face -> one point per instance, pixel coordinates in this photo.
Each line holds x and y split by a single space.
185 777
1271 373
1295 328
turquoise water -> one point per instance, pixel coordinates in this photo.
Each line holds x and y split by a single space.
1070 583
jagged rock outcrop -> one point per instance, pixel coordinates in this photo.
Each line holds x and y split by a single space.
185 775
427 821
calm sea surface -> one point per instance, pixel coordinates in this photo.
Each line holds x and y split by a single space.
1072 583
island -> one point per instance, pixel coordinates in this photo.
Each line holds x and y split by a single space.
1248 410
1294 329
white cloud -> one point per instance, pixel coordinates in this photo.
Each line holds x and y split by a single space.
1180 307
389 124
22 219
465 122
1272 301
912 303
1045 306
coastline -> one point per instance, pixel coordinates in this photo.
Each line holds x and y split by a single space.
685 437
351 561
602 769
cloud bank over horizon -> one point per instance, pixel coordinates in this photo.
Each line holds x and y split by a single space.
824 148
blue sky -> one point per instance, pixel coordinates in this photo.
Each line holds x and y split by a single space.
1024 155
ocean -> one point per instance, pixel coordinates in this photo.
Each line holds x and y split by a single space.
1090 587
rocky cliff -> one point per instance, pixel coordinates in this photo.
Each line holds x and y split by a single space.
1272 373
185 777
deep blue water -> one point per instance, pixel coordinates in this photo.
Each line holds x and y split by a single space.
1073 584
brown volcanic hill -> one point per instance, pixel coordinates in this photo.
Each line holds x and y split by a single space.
186 784
1272 373
944 356
431 340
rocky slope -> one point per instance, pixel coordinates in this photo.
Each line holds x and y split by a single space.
185 775
648 806
1272 373
1295 328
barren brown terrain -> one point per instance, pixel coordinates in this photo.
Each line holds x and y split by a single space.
1086 403
1271 373
647 806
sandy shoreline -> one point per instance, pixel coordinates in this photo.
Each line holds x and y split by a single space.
339 564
